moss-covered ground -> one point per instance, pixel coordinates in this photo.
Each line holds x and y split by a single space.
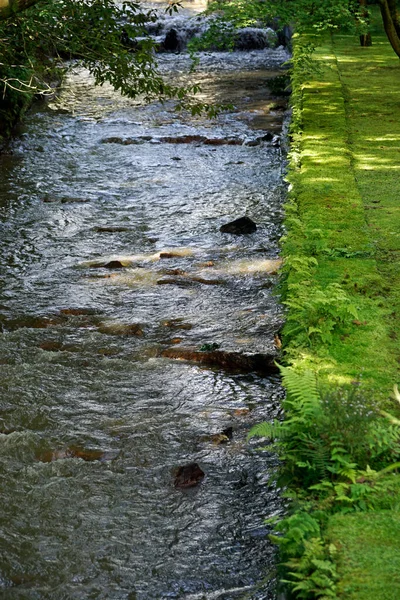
343 227
345 172
369 557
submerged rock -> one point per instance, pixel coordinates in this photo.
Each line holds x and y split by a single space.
122 141
175 272
51 346
112 229
77 312
170 255
175 340
85 454
108 351
114 264
223 142
121 329
223 437
267 137
32 322
241 412
188 476
174 253
255 38
177 324
253 143
208 263
55 346
173 42
111 264
201 139
205 281
135 260
186 281
233 361
239 226
181 281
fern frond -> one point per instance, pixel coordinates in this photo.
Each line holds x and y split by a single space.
389 469
320 457
273 431
348 473
302 387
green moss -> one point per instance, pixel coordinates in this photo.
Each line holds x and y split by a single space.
345 178
369 563
343 223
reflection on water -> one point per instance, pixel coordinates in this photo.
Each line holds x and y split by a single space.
80 347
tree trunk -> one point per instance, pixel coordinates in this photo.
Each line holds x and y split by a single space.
365 38
394 12
389 23
8 8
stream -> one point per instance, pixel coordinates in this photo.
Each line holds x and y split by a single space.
114 267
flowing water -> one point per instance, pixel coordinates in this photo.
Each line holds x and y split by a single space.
111 253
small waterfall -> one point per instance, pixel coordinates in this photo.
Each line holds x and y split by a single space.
172 33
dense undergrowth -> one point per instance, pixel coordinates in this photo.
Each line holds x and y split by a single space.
340 454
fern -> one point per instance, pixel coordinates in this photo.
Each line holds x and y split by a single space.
273 431
340 455
316 313
301 387
333 438
313 574
319 457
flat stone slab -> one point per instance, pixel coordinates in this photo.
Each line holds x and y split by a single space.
234 361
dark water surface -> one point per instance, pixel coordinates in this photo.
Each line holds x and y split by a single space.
93 419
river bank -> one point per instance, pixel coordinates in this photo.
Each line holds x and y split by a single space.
341 287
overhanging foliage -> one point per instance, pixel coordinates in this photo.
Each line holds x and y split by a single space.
110 40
